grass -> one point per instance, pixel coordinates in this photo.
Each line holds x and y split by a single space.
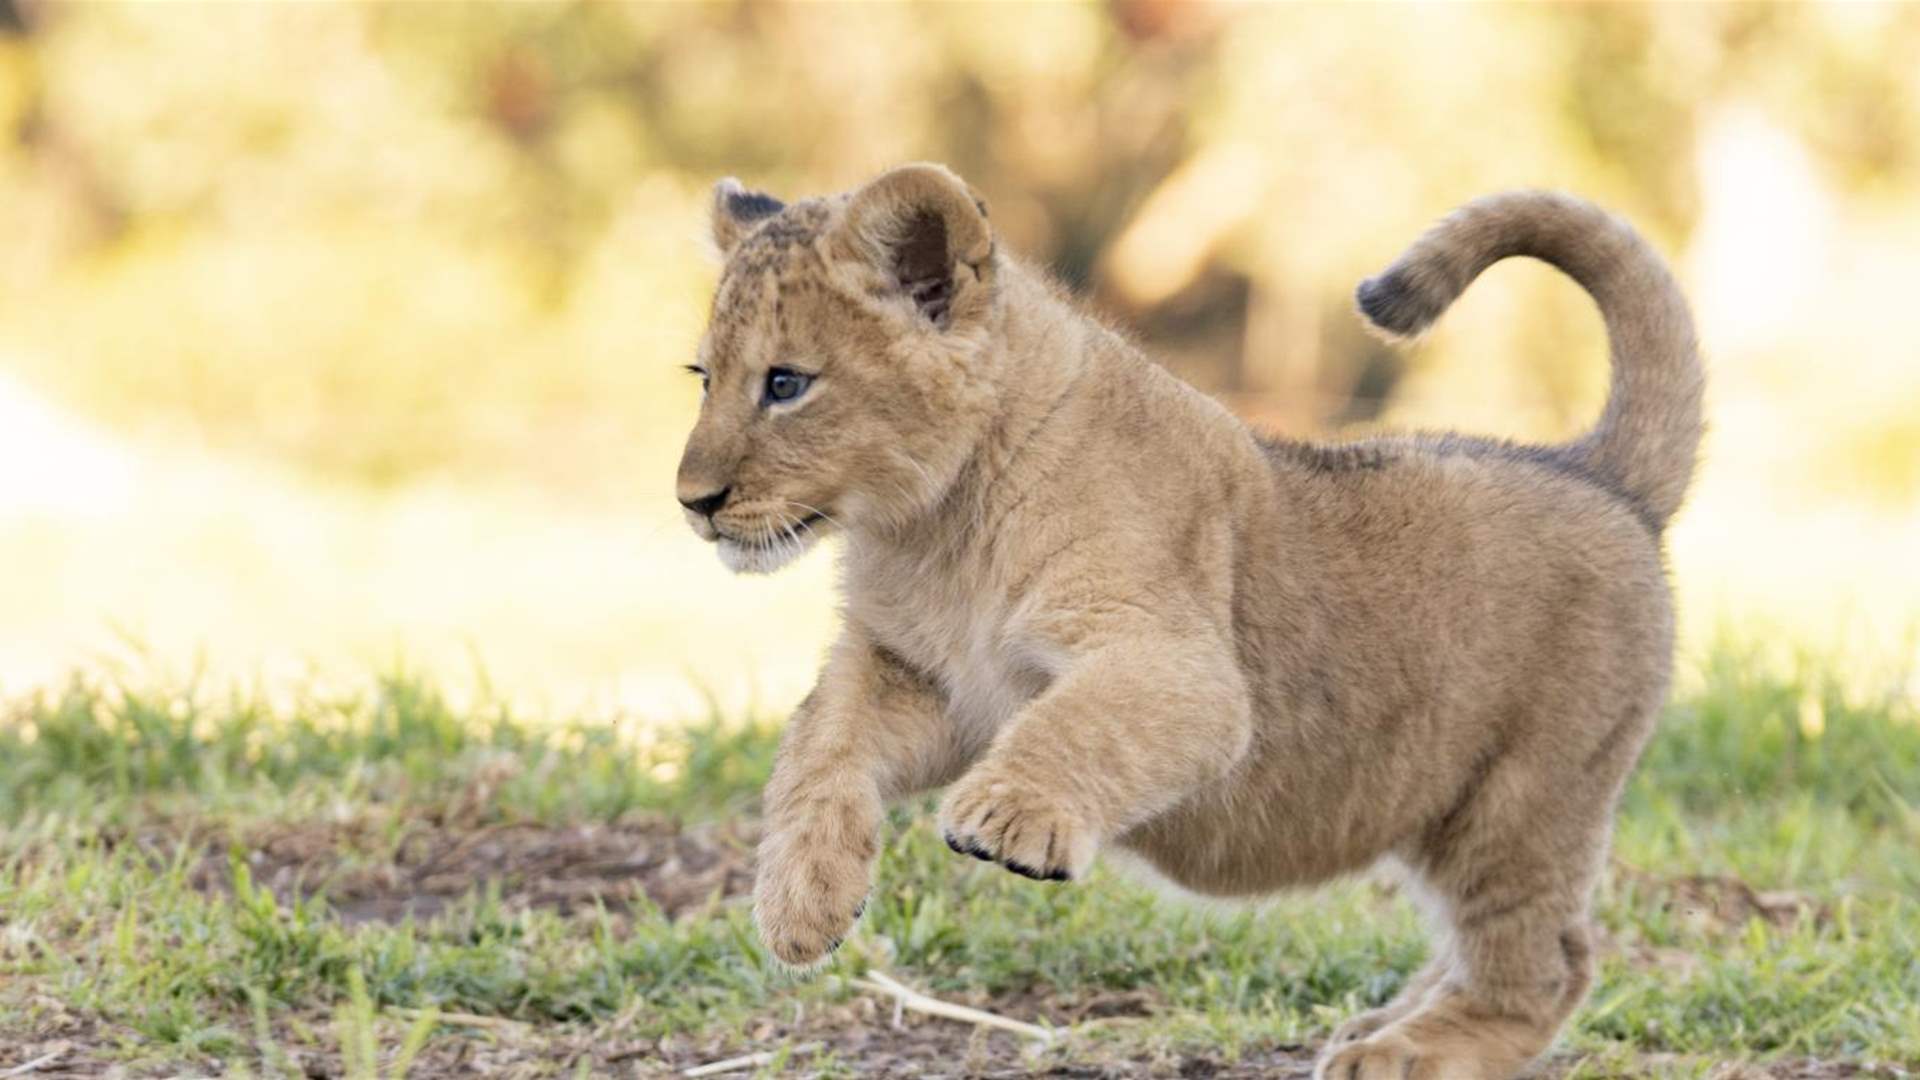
1761 908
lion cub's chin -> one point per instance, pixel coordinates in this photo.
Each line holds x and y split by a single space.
744 557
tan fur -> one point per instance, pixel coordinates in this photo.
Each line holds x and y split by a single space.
1101 611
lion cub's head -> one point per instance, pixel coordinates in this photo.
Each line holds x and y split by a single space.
846 363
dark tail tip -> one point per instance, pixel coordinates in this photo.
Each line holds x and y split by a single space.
1391 303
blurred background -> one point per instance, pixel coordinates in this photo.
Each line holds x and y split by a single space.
338 335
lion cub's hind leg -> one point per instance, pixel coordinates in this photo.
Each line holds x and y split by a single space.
1512 871
1487 1023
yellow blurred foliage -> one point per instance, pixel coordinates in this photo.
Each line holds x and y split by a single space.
330 333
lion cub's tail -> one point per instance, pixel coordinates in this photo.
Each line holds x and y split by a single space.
1645 444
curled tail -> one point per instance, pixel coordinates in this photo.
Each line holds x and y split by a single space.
1647 439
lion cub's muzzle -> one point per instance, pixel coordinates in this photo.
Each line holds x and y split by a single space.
759 539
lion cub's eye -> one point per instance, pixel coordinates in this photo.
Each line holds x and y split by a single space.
785 384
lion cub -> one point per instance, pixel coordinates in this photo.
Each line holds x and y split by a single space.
1100 610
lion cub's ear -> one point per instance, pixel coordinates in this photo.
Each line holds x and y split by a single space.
926 231
736 211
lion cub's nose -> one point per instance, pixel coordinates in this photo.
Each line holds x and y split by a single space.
707 505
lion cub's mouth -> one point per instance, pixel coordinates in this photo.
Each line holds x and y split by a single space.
771 550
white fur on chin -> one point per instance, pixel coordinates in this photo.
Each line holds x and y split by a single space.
765 558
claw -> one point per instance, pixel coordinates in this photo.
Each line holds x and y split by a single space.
1024 870
968 847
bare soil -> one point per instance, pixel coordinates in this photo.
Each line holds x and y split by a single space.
430 866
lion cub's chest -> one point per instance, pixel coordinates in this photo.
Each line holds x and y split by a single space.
965 638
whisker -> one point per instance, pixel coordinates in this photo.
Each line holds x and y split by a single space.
816 510
788 541
925 476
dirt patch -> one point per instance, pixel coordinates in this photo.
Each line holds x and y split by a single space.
1731 902
1718 903
1711 905
423 868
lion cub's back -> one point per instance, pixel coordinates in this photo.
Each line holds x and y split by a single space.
1490 548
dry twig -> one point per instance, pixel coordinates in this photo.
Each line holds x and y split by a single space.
909 998
747 1061
40 1062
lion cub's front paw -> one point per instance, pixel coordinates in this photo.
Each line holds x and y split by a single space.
1033 833
809 891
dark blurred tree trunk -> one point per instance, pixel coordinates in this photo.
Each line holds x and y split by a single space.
13 21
